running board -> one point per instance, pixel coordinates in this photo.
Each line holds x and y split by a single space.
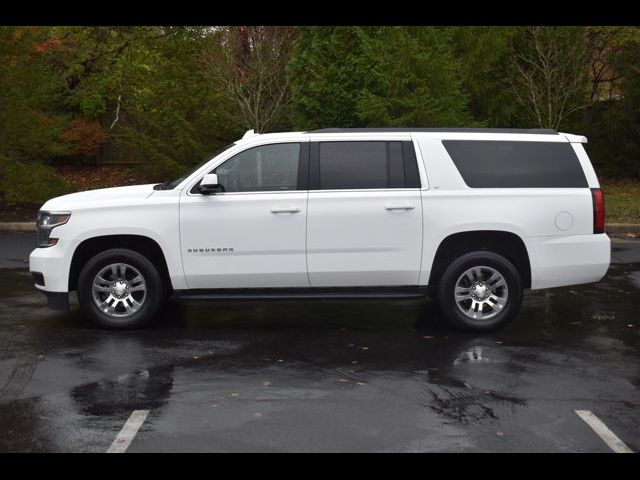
318 293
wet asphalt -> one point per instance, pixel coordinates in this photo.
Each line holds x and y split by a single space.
336 376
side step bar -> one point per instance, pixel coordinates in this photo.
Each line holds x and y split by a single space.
317 293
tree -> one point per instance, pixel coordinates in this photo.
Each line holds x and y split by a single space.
376 76
550 76
484 57
248 63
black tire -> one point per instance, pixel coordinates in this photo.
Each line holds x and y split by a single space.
446 291
153 296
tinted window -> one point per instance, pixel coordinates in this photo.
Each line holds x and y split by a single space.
410 165
353 165
362 165
263 168
509 164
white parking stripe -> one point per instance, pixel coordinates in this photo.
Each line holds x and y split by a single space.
124 438
603 432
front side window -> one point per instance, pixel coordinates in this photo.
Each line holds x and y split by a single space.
265 168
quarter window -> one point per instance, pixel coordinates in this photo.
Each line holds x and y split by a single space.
264 168
512 164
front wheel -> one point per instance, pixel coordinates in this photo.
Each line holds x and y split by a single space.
120 289
480 291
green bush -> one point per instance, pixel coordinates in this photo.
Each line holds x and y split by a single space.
29 183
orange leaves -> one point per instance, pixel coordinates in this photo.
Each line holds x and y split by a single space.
47 45
84 137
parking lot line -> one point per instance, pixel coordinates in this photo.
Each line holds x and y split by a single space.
128 432
603 432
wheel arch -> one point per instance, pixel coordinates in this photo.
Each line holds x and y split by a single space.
141 244
508 244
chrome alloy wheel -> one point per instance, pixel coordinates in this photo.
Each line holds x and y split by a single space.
481 293
119 290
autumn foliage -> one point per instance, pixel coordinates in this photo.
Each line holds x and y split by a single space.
84 137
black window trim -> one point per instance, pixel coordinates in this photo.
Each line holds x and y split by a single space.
409 158
303 171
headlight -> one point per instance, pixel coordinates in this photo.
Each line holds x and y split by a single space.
46 222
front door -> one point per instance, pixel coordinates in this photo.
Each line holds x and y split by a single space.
252 235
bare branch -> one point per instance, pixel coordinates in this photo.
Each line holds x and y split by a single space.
249 64
551 74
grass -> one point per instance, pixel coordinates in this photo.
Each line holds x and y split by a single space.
622 200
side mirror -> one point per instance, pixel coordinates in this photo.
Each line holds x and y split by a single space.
209 185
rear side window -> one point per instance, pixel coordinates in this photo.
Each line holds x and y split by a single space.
363 165
353 165
509 164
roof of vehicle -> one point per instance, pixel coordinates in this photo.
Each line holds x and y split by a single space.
539 131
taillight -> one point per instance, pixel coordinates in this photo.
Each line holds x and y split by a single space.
598 210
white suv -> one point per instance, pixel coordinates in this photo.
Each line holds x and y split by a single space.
470 217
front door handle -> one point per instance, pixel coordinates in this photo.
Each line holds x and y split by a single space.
391 206
285 210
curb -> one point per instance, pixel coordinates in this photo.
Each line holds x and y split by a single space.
17 226
622 228
31 227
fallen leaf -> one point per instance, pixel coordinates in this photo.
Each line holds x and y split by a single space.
427 337
500 434
257 414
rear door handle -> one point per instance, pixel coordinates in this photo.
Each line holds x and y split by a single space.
285 210
391 206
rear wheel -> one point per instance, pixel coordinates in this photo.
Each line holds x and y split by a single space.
120 289
480 291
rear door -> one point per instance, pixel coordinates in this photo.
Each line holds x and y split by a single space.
364 225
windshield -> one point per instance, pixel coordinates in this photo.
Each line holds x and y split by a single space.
171 184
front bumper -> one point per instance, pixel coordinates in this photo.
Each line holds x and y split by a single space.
50 270
54 266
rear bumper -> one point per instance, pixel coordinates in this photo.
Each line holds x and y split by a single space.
568 260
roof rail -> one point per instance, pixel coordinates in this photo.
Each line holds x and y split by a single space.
250 133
